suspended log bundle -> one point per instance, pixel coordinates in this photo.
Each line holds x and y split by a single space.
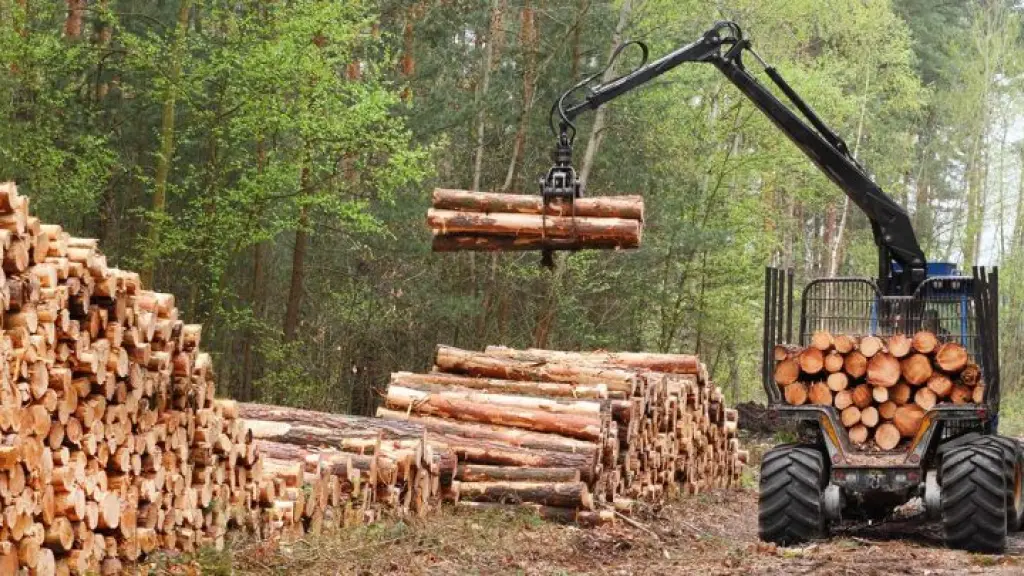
487 221
572 435
113 444
881 388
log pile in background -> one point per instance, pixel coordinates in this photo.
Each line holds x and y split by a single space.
881 388
112 442
486 221
575 435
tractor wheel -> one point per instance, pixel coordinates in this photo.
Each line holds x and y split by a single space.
973 496
1013 464
790 504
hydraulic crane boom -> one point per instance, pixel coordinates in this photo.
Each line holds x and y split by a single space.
902 264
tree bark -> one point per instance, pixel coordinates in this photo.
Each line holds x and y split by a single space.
620 231
625 207
294 302
454 382
563 495
668 363
484 473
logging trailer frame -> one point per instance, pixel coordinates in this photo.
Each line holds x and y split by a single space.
969 477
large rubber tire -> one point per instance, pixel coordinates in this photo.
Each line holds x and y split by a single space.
973 496
1013 466
790 506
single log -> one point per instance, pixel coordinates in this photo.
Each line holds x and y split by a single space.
908 419
484 473
625 232
561 494
887 410
900 393
855 365
811 361
458 361
850 416
787 371
971 374
961 394
552 389
302 435
843 399
820 394
574 425
951 357
978 394
490 243
925 342
887 436
390 429
838 381
880 394
916 369
899 346
940 384
628 207
925 398
844 343
780 352
669 363
834 361
554 406
796 393
862 396
859 434
870 345
869 416
586 518
822 340
883 370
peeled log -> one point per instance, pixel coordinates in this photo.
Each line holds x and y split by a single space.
500 454
628 207
855 365
916 368
850 416
883 370
925 342
560 494
670 363
838 381
925 398
484 473
843 399
899 345
859 434
908 419
488 243
787 372
390 429
870 345
811 360
940 384
862 396
820 394
796 393
834 361
552 389
951 357
622 231
844 344
572 425
887 436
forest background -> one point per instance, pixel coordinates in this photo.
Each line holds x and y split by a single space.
270 162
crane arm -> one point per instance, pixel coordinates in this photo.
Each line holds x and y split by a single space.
902 264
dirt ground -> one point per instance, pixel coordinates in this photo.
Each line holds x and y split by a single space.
707 534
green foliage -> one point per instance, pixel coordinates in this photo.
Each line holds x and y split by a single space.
331 122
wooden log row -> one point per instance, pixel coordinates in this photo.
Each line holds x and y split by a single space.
484 221
881 388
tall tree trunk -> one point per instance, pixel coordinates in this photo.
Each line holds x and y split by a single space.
256 288
836 249
294 305
528 42
597 129
481 95
163 165
73 22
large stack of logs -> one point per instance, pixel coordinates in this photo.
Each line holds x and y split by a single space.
485 221
881 388
112 443
574 435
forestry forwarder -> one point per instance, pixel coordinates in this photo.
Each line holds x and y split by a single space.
968 477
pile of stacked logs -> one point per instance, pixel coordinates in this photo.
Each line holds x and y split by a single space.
881 388
486 221
113 444
573 435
